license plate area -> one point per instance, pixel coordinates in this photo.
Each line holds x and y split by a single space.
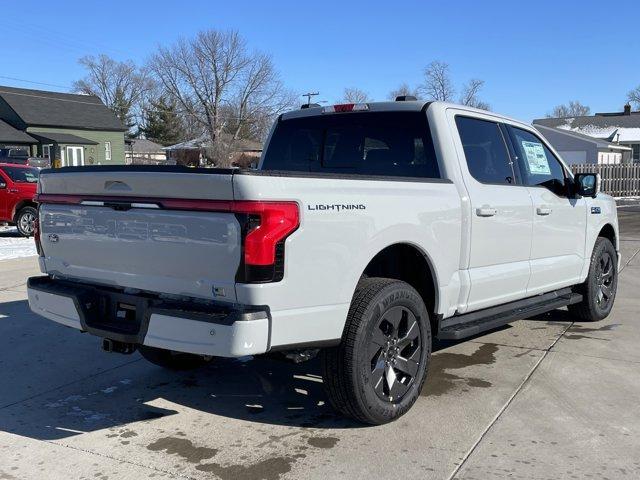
126 312
114 313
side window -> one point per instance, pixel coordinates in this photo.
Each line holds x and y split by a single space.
538 166
485 151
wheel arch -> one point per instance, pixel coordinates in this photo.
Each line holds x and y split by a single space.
19 206
408 263
607 231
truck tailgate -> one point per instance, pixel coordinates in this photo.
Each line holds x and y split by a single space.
118 228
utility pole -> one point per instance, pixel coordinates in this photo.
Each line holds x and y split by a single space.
309 95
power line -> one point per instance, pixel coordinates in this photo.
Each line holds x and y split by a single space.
59 40
15 79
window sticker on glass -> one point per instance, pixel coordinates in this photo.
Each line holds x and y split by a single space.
536 158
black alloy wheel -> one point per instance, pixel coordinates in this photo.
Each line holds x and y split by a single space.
605 272
396 346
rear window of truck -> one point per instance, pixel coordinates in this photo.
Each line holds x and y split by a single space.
395 144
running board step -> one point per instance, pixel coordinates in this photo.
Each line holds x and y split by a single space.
469 324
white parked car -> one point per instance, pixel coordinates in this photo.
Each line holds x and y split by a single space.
367 231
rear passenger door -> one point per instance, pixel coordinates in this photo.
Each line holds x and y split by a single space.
501 215
559 220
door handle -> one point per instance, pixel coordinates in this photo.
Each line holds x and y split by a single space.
543 210
486 211
13 190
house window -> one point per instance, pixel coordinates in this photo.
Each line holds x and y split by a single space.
636 152
46 151
107 151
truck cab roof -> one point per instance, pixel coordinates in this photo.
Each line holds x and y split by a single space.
410 106
393 106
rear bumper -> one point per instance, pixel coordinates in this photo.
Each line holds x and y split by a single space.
199 328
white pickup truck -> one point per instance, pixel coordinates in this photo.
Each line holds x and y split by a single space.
367 231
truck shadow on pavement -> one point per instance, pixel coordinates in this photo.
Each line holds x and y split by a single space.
117 391
105 396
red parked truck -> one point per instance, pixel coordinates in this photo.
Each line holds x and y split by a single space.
18 185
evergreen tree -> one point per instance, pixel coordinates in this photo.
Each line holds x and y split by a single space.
162 123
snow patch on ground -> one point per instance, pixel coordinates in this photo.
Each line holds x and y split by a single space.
12 245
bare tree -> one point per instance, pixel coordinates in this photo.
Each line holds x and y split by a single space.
470 92
259 95
120 85
220 86
633 97
437 82
439 86
403 90
573 109
355 95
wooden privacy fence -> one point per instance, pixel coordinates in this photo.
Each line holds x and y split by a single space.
617 180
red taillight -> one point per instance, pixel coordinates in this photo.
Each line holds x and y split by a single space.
345 107
36 236
277 220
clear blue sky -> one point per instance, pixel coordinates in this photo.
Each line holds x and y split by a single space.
532 55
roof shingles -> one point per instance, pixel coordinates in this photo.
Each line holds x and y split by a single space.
66 110
619 127
8 134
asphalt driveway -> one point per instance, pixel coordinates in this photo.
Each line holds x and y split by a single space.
542 398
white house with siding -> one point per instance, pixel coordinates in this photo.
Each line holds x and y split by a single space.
616 128
578 149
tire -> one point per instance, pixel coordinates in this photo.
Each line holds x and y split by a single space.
599 290
380 337
172 360
25 221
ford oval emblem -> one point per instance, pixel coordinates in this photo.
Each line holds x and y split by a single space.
53 238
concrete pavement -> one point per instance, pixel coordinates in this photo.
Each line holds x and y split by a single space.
542 398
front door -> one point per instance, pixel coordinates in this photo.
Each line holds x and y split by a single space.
75 156
559 221
500 215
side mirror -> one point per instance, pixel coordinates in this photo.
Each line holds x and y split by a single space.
587 184
2 184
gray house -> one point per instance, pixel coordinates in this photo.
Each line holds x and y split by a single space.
576 148
621 128
243 152
141 151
